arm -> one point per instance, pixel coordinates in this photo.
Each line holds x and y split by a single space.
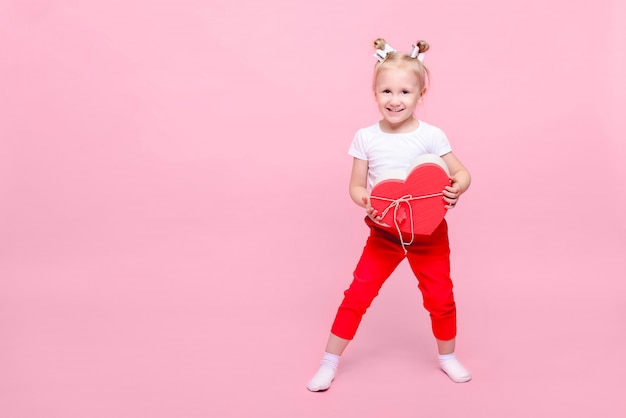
460 180
358 188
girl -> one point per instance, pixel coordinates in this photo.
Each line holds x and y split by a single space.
394 143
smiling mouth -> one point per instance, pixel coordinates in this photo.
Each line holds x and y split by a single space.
395 111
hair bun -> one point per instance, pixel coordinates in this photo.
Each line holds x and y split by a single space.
423 46
380 44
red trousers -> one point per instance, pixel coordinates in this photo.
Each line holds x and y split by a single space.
429 258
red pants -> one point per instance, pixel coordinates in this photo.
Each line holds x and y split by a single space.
429 258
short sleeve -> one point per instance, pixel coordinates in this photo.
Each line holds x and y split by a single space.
440 144
357 148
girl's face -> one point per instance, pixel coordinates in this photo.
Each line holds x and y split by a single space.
397 92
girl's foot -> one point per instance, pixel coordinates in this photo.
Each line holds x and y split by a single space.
322 379
325 375
453 368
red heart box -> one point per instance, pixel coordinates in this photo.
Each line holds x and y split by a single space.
413 195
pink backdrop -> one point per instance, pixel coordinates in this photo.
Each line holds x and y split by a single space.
175 228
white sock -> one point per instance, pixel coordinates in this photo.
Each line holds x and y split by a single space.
453 368
325 375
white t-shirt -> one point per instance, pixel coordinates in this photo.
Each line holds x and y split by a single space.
385 152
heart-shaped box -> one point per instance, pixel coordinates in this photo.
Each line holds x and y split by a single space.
411 200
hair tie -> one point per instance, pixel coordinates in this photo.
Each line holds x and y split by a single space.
381 54
417 54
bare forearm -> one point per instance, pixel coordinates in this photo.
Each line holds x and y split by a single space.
463 180
357 193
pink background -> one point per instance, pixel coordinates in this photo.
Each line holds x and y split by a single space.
175 228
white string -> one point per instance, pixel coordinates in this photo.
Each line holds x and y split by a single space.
395 204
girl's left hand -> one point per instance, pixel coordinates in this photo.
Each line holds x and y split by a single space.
452 193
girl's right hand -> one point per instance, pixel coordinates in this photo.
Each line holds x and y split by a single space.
371 212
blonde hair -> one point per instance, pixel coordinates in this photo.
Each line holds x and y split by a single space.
402 60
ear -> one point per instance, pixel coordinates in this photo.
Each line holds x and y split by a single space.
422 94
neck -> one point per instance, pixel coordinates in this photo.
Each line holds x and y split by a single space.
399 128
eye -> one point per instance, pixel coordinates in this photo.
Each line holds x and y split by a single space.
405 92
386 91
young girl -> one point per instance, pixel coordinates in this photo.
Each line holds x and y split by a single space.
394 143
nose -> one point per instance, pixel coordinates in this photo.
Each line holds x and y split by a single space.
395 99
